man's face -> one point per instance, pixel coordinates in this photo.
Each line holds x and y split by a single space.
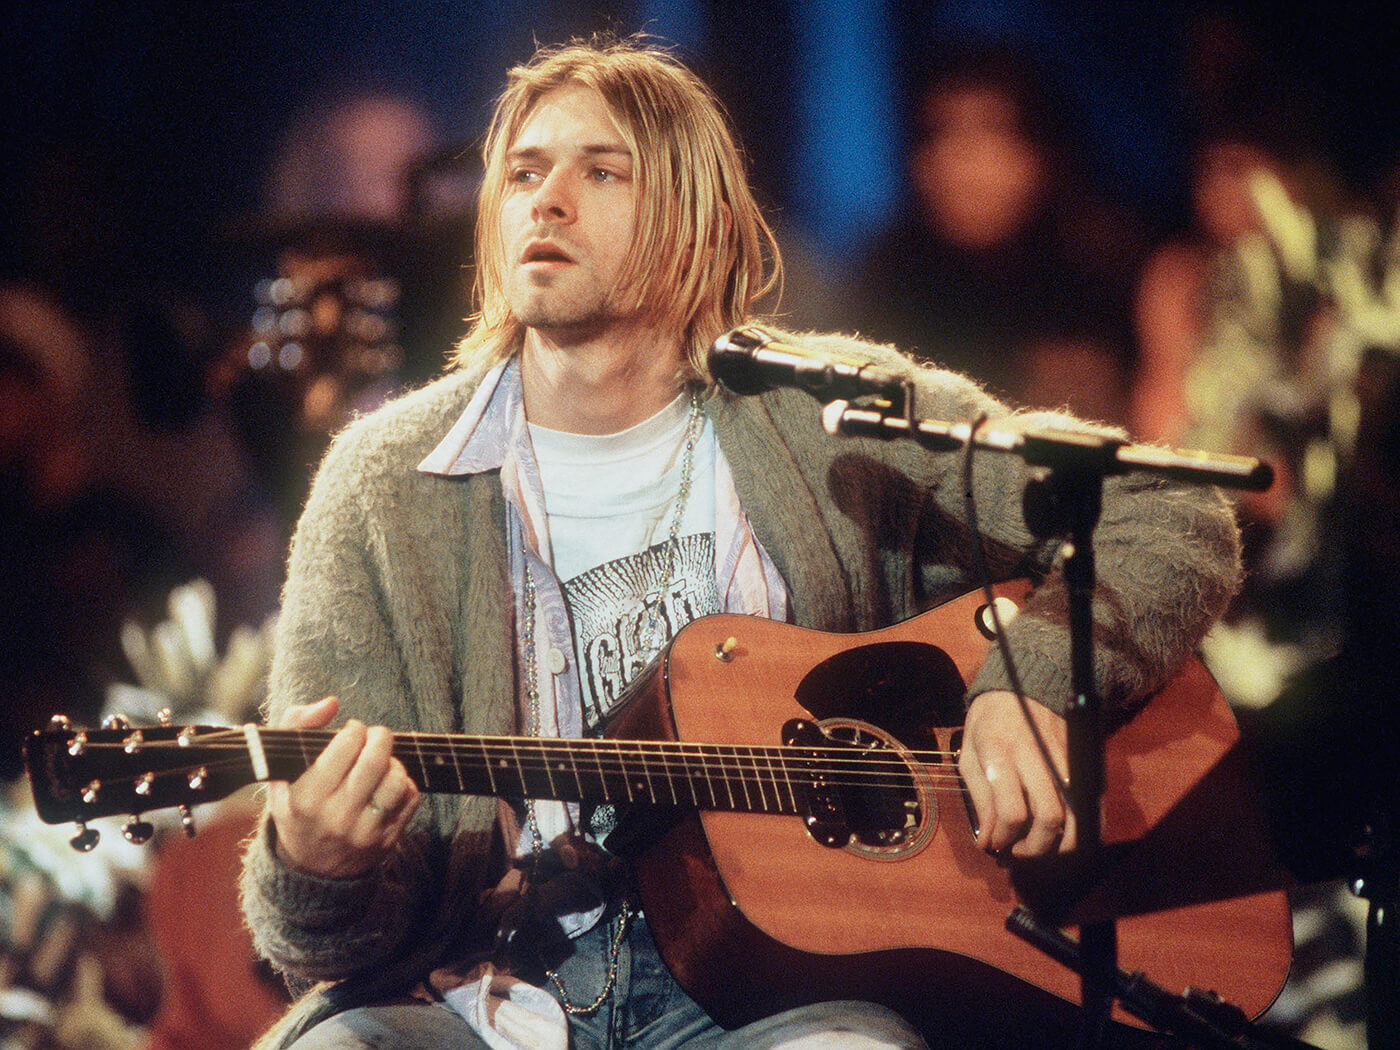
979 176
568 215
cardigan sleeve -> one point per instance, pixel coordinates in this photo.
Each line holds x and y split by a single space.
1166 558
333 638
1167 554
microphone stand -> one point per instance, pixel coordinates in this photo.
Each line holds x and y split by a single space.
1202 1018
1066 501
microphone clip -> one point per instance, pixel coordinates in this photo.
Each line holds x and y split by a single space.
749 360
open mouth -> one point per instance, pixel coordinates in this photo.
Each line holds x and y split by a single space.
541 252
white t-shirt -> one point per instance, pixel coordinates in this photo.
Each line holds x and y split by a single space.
611 500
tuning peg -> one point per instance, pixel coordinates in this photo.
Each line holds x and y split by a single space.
116 722
165 717
85 839
136 831
187 821
59 722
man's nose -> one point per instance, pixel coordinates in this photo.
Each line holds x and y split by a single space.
553 201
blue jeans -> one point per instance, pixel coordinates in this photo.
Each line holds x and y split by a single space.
646 1010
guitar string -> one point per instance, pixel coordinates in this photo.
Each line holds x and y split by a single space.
670 779
527 749
734 773
291 741
938 781
531 754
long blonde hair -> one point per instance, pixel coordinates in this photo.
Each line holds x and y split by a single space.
703 252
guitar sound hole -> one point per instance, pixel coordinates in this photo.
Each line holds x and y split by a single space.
889 808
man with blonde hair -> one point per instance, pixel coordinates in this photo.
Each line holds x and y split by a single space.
503 551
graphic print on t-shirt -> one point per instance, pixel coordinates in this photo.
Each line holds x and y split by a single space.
610 605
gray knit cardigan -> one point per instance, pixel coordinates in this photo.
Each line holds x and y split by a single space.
399 601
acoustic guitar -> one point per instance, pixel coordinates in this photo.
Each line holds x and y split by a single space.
798 828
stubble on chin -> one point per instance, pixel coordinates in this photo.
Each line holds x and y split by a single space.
553 309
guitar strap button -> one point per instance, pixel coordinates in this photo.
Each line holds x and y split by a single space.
1006 611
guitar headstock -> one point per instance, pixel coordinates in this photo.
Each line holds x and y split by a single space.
79 774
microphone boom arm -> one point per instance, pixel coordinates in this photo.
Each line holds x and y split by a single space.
1053 447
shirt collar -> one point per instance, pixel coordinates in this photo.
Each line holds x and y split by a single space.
479 439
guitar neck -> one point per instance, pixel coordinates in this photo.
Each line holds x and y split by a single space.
82 774
748 779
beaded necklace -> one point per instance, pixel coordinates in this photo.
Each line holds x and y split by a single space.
652 642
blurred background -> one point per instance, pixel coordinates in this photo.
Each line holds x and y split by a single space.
228 228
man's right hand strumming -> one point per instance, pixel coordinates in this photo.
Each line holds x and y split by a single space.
343 815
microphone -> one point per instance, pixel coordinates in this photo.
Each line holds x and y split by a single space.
749 361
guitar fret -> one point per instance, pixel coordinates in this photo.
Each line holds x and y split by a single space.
417 744
457 768
697 759
743 763
787 779
743 781
519 769
756 777
709 781
486 764
771 782
544 748
622 773
728 782
770 777
578 781
668 768
603 788
646 774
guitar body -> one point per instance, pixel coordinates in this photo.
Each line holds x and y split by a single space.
753 914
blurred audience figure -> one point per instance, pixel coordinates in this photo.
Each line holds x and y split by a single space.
1267 328
348 159
1176 295
1238 338
107 506
364 230
1007 265
1244 124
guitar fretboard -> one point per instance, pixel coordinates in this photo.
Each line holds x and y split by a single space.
720 777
